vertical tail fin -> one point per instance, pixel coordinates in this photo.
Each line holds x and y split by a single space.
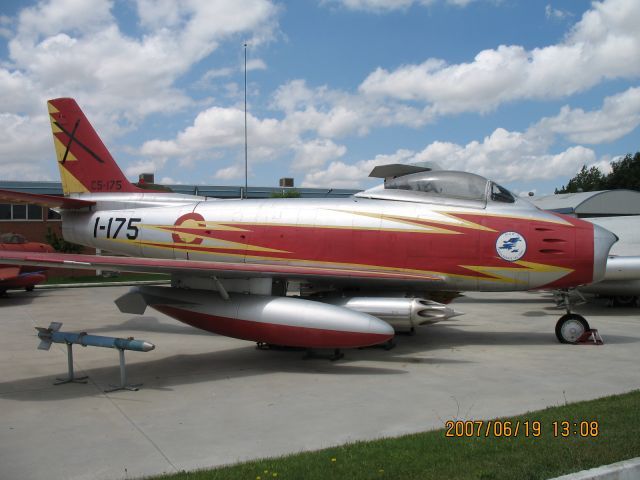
85 163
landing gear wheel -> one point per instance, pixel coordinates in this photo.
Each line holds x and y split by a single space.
29 288
389 344
570 328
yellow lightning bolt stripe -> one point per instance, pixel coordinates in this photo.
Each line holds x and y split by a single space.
490 273
418 274
226 245
407 221
201 226
553 219
424 223
495 272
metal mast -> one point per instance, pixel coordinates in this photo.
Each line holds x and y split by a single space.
246 168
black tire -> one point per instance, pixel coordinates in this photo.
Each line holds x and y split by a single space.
29 288
570 328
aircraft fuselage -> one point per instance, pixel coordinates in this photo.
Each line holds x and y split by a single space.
494 248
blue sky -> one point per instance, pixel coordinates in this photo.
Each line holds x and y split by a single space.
524 92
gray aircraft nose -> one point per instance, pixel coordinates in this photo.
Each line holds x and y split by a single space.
603 240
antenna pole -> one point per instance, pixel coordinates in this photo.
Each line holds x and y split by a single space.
246 168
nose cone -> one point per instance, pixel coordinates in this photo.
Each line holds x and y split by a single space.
603 240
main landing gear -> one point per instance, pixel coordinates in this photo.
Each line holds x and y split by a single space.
571 327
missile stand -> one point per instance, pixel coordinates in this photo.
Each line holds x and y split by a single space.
123 377
52 334
71 378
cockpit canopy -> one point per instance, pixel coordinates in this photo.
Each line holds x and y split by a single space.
442 186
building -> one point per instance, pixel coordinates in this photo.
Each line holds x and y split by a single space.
605 203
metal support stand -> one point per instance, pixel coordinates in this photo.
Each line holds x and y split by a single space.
123 377
71 378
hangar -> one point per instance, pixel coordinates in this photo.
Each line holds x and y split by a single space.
605 203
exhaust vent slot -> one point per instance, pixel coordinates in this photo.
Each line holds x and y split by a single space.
554 240
552 251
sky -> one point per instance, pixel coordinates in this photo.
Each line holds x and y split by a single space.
523 92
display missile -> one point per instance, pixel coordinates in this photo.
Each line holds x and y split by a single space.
54 335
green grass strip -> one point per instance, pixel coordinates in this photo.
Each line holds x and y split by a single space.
432 455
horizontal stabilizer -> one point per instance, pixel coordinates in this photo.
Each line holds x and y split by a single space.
50 201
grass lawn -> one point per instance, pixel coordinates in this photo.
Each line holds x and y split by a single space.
432 455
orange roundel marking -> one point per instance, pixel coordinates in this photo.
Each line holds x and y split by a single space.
187 222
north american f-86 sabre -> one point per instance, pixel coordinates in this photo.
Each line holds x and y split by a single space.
364 265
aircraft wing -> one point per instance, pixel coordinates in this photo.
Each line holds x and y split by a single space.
205 268
50 201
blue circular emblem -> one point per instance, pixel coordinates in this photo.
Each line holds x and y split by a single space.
511 246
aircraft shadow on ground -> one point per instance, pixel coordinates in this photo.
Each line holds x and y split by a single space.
246 361
176 370
17 298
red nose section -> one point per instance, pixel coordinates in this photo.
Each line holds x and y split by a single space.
569 246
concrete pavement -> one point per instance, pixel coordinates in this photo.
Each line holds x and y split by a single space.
209 400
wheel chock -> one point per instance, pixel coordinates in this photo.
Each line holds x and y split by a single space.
590 337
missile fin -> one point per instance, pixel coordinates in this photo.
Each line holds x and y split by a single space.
55 326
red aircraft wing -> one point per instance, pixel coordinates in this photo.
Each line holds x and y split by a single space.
204 268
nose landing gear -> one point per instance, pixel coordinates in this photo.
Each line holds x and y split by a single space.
571 327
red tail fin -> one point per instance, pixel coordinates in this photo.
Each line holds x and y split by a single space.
85 163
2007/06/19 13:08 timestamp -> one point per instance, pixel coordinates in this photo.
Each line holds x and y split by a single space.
527 428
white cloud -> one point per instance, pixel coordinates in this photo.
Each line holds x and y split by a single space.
316 153
556 13
504 156
256 64
232 172
145 166
74 47
509 156
335 113
604 44
311 119
619 115
342 175
21 144
219 128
